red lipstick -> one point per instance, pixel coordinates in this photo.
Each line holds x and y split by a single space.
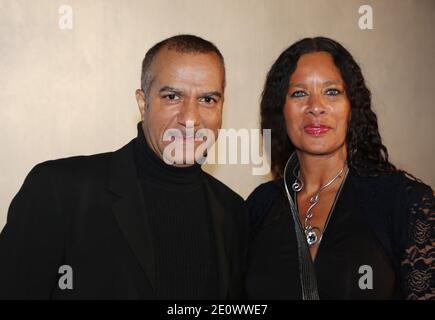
316 129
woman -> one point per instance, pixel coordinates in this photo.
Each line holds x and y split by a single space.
339 221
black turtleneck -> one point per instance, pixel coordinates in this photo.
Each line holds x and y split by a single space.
180 223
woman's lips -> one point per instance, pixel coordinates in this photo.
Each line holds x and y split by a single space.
316 129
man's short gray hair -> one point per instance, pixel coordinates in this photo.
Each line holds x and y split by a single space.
184 43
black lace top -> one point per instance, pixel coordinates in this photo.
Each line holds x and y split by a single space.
385 222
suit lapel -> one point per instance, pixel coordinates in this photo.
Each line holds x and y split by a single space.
129 208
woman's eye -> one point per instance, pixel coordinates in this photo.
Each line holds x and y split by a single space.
332 92
298 94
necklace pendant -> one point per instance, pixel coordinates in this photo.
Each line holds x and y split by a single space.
313 235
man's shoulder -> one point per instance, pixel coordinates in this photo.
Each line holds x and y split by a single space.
75 166
221 189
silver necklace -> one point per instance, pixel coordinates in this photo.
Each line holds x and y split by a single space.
313 234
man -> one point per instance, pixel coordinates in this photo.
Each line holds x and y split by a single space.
127 224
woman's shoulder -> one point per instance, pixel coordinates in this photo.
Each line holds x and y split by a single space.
398 185
266 193
263 198
417 198
398 191
414 187
412 196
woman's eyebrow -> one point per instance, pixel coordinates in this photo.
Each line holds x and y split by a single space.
301 85
329 82
326 83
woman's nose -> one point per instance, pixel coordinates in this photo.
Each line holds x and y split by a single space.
316 106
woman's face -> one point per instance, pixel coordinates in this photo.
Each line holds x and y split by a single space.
317 110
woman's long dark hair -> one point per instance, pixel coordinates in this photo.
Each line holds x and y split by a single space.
365 152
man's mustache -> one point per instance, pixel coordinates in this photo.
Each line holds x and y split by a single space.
186 134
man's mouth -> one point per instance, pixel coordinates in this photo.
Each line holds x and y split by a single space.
184 138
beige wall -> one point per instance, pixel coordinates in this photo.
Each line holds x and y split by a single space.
71 92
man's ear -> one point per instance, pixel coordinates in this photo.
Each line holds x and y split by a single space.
140 98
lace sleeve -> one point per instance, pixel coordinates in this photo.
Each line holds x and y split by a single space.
417 265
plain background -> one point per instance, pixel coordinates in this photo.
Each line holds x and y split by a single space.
71 92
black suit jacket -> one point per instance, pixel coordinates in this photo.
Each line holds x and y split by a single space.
88 212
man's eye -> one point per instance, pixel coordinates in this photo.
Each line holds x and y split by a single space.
332 92
298 94
171 97
208 100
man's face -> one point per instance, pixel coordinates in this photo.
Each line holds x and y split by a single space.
185 87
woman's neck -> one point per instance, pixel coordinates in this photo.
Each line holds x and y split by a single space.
317 170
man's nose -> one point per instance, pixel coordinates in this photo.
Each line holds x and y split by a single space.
316 106
189 111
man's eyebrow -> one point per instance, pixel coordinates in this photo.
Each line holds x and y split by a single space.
212 93
171 89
